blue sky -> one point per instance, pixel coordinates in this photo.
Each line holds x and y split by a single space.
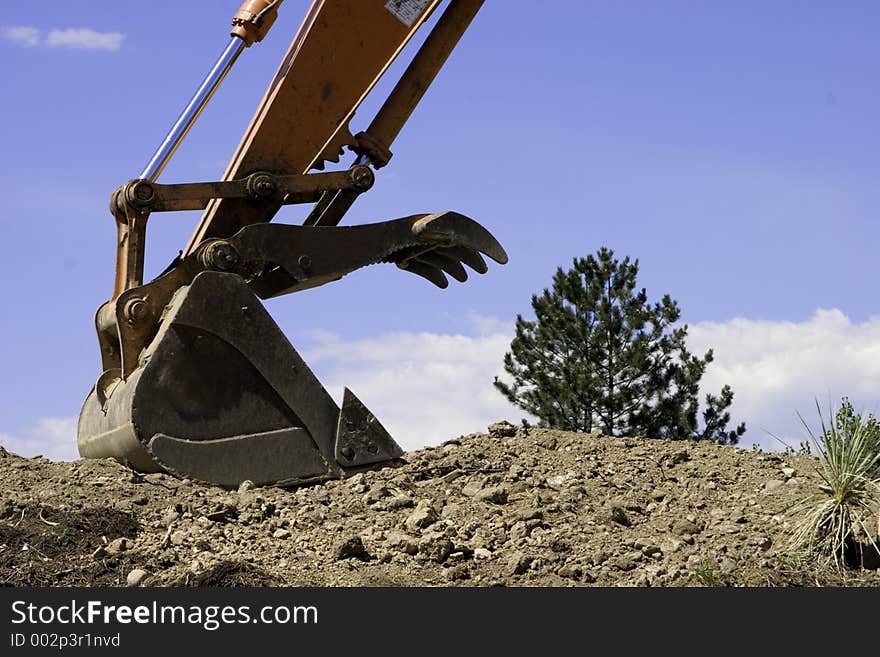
730 146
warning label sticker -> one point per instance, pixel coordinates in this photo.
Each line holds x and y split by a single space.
406 11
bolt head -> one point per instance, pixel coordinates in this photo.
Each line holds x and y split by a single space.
224 256
347 452
362 177
304 261
143 191
264 186
136 310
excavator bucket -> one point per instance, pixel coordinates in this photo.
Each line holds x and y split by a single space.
198 381
223 397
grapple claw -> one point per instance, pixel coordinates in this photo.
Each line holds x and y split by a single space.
426 271
471 258
453 229
439 260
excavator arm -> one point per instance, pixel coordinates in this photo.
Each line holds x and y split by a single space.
197 379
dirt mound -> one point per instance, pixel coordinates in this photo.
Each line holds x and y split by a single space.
513 507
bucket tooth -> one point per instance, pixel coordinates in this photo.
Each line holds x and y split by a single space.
221 396
360 437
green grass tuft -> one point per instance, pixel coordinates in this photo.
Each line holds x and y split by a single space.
842 517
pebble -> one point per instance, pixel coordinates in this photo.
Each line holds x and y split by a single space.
494 495
136 576
502 429
436 547
518 563
423 516
351 547
616 513
685 527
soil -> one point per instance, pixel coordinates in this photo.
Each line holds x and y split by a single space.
511 507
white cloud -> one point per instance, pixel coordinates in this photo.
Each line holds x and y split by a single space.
779 369
54 438
71 38
84 39
23 36
428 387
424 387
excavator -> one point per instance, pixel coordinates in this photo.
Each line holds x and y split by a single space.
197 379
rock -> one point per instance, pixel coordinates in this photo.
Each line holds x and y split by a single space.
502 429
547 442
452 475
117 546
245 486
570 572
403 542
375 494
685 527
423 516
177 538
7 508
400 502
530 513
788 473
458 572
623 562
493 495
351 547
136 576
772 484
171 514
615 513
281 533
599 557
681 456
518 563
482 553
519 530
436 547
658 495
727 566
472 487
558 482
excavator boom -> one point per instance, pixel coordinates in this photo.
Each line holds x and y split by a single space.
197 380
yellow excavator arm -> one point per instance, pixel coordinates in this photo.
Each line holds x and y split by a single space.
197 379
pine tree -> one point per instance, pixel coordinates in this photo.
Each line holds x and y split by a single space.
599 356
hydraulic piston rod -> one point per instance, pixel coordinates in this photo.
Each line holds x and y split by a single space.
250 25
193 110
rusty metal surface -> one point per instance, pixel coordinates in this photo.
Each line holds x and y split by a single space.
374 145
414 82
339 53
